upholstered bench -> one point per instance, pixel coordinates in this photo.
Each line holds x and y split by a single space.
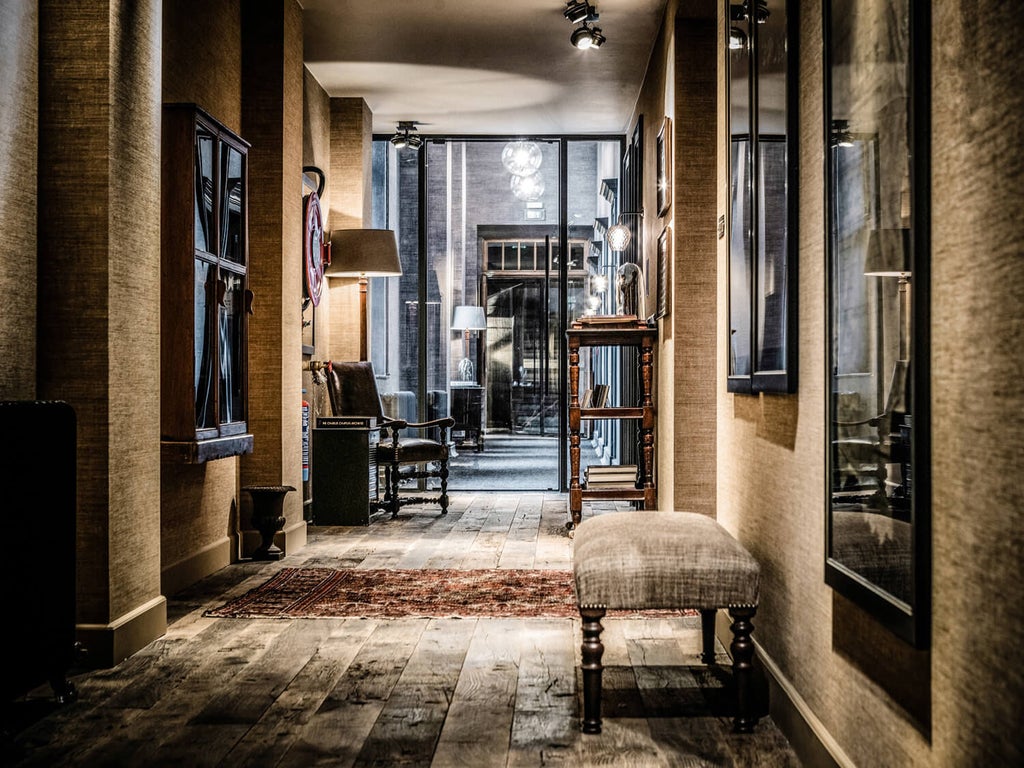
647 560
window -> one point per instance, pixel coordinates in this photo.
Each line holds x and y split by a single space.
205 296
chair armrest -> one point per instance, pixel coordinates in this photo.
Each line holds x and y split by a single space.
444 421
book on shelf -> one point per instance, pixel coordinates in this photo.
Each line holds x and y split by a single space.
600 475
586 401
600 398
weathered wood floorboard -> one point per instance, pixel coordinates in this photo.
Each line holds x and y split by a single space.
406 691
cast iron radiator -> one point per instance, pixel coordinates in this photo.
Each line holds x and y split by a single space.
37 570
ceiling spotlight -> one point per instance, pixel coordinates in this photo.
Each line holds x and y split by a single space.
587 37
579 10
403 138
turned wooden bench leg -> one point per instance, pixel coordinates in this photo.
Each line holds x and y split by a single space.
742 648
592 650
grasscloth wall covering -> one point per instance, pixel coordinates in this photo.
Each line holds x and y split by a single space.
272 122
771 449
98 336
18 125
198 503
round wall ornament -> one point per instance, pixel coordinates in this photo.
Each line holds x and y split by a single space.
313 245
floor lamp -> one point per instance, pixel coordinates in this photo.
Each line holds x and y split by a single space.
363 253
467 319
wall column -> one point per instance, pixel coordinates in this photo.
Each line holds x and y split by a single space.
272 122
99 323
695 272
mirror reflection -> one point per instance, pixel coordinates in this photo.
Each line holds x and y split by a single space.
870 194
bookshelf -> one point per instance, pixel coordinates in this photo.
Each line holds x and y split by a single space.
630 482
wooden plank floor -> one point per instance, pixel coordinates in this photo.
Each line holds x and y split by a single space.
398 692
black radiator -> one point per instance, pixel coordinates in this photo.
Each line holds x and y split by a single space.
37 568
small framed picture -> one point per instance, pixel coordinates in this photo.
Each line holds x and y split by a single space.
664 169
664 260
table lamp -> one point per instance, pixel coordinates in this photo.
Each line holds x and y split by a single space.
467 319
363 253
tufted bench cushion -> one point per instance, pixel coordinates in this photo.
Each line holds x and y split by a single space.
646 560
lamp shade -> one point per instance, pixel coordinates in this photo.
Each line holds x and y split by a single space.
888 251
364 253
467 318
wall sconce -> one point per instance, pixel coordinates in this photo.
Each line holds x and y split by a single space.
619 234
363 253
467 319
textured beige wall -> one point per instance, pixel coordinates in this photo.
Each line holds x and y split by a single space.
202 55
98 340
19 23
695 269
349 181
771 485
199 502
272 119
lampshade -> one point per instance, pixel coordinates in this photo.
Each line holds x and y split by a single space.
467 318
363 253
887 254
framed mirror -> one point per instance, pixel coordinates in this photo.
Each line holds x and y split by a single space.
762 65
876 176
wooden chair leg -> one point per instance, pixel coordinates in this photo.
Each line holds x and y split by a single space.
592 650
707 633
742 648
395 476
443 500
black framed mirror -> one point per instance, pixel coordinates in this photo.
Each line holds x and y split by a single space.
876 177
762 67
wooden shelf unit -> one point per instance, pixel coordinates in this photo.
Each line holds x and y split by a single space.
643 338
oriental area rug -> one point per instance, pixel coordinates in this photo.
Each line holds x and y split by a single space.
304 593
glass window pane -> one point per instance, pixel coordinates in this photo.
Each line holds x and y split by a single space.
740 261
204 193
205 351
232 178
771 256
232 401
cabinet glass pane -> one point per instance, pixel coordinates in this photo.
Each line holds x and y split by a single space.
205 377
231 224
232 402
204 193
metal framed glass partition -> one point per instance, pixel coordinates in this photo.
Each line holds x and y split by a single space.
475 326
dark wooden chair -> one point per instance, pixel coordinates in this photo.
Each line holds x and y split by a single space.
352 388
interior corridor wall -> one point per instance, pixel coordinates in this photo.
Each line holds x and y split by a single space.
771 461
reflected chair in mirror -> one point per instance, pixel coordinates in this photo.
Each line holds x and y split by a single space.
868 450
352 389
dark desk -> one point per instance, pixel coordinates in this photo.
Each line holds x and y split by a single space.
468 412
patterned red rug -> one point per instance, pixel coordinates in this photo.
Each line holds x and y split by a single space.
295 593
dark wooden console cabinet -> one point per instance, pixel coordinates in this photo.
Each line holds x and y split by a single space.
468 412
643 338
344 476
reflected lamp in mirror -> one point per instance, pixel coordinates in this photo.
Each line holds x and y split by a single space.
363 253
468 318
889 256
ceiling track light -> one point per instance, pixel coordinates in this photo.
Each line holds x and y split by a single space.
403 138
585 37
579 10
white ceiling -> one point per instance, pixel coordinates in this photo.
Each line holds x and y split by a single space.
476 67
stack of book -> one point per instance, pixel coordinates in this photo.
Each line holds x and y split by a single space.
601 477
